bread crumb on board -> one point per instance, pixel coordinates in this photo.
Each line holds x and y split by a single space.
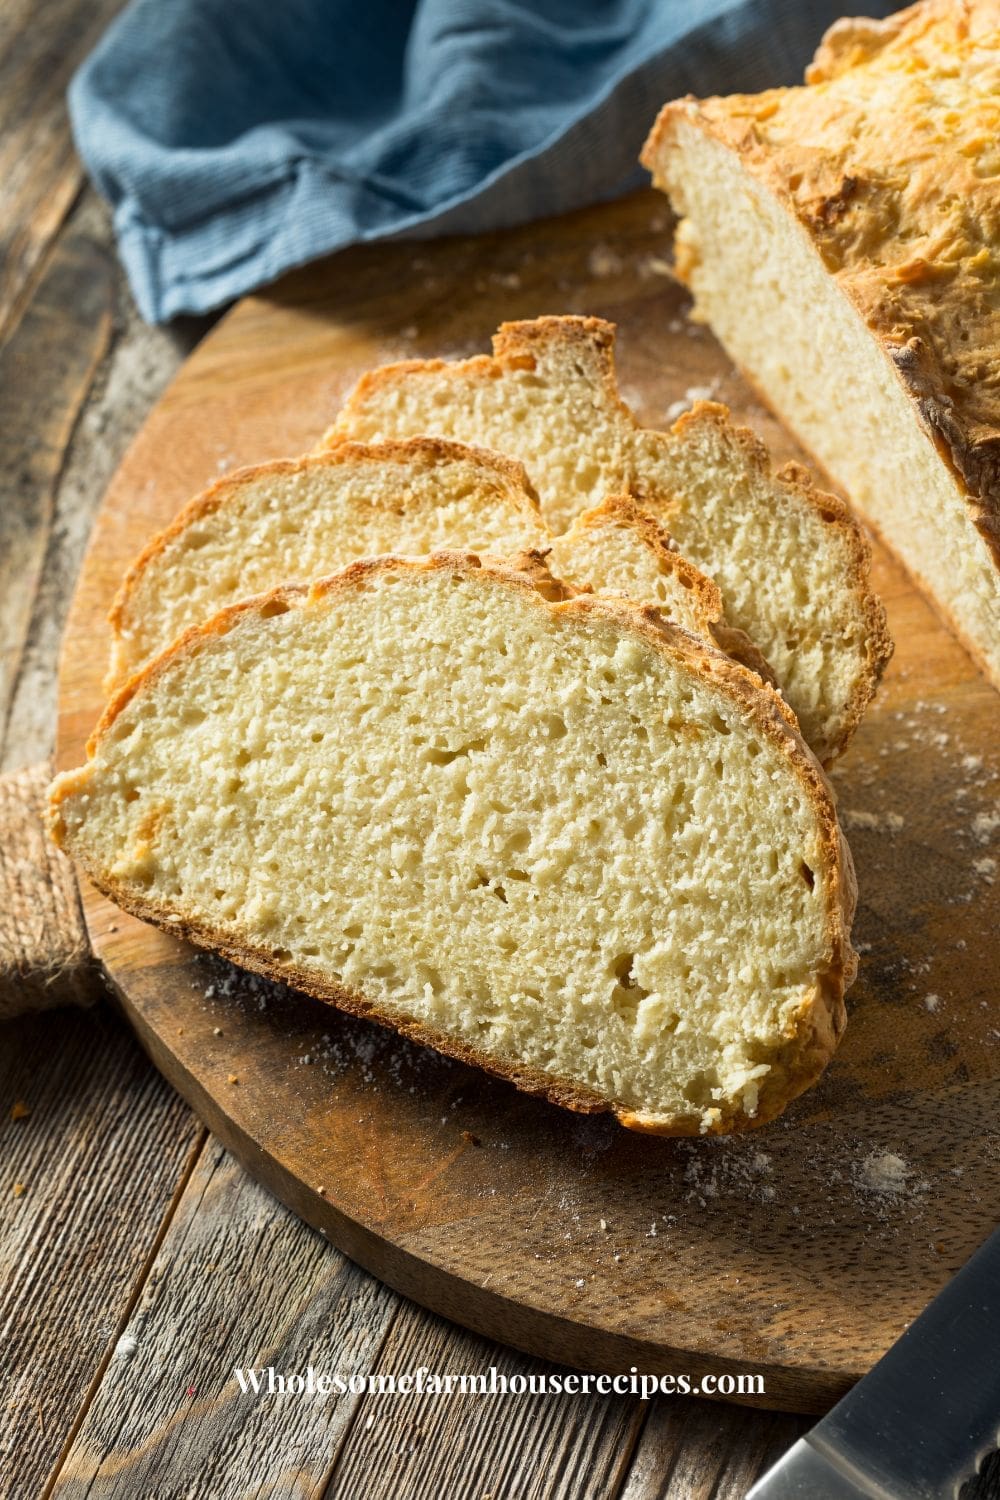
886 1174
985 825
603 261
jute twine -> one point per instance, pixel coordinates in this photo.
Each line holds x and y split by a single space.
44 953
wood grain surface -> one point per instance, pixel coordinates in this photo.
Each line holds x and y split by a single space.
801 1252
159 1420
40 173
75 1239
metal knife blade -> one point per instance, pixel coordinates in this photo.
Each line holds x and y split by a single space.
918 1424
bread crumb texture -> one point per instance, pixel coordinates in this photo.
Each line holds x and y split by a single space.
790 563
553 836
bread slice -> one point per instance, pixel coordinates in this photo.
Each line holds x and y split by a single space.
791 564
295 520
299 519
548 834
843 240
618 548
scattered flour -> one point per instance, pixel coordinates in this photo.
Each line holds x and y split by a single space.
230 983
889 822
985 825
729 1171
884 1174
603 261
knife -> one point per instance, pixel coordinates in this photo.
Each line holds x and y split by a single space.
920 1423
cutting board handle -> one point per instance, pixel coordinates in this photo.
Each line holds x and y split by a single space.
45 957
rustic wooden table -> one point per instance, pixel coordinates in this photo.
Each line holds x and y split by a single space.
130 1224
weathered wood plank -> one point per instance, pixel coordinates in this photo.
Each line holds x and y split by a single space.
98 1156
46 370
705 1450
77 380
40 175
238 1281
506 1447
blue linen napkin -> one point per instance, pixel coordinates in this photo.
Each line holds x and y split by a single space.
238 138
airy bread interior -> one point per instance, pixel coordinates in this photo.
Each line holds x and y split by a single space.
549 834
791 564
761 283
295 520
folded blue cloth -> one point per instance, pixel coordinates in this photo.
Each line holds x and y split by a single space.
238 138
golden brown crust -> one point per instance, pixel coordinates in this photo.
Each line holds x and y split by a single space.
591 342
887 158
516 346
810 1042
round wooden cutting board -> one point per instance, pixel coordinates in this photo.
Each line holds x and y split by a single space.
799 1252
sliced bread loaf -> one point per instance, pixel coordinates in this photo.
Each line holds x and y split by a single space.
551 835
843 240
295 520
790 562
